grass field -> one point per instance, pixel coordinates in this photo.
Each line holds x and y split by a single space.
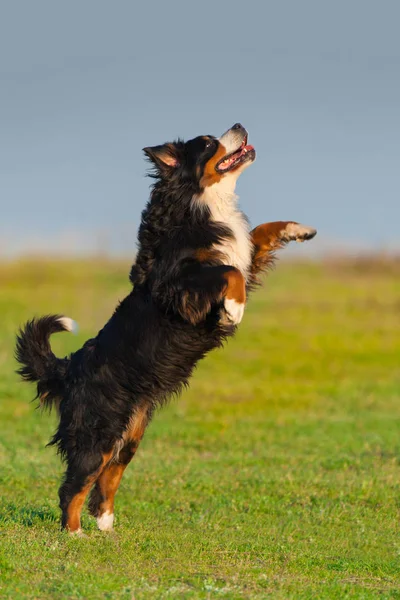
276 475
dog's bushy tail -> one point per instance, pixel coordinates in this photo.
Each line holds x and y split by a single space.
38 363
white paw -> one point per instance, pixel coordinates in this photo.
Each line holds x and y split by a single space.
234 310
298 232
105 521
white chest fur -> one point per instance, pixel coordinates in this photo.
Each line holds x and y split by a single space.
222 203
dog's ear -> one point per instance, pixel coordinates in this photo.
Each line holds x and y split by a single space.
164 157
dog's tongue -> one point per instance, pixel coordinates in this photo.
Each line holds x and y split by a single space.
227 163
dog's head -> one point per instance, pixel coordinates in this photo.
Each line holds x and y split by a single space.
203 161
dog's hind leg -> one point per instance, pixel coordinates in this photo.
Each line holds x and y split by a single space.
101 503
81 473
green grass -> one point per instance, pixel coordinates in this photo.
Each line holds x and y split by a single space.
275 475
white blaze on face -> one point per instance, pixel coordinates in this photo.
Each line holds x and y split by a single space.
231 140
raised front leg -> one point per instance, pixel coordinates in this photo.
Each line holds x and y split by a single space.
199 288
269 237
234 297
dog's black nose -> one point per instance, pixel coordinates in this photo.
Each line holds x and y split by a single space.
237 126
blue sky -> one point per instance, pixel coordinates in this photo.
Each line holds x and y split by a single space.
85 85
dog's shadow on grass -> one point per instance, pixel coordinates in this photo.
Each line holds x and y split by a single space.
31 516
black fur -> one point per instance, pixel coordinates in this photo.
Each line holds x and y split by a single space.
38 362
149 347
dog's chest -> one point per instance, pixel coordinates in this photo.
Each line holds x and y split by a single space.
236 250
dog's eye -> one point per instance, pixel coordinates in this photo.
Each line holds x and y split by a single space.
210 143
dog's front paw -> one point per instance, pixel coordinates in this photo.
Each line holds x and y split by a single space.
234 311
297 232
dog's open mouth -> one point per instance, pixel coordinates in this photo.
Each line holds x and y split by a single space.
233 160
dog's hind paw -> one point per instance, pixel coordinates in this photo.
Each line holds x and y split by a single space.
105 521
